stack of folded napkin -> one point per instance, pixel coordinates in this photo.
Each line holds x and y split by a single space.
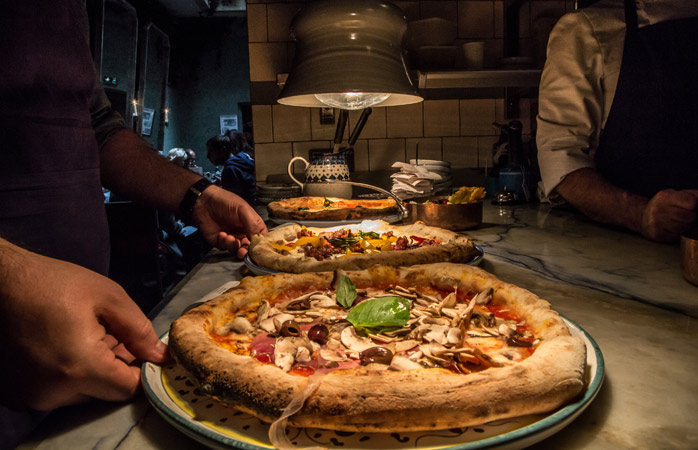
413 180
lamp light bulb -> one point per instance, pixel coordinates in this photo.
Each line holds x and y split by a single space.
352 100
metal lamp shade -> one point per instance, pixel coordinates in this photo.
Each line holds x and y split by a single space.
348 46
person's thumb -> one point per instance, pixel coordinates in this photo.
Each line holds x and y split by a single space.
127 323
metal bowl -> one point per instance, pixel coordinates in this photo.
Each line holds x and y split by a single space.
451 217
689 255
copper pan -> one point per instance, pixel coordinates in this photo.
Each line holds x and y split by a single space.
451 217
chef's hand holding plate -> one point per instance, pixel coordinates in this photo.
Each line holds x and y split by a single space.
67 334
226 221
668 214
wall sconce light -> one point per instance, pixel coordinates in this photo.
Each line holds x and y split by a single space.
134 107
166 116
349 55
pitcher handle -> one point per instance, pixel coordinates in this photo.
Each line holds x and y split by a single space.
289 169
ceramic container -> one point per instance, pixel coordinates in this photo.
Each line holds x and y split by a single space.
320 174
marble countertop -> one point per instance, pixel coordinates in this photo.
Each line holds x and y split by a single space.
625 291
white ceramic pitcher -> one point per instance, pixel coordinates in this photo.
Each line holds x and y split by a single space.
319 175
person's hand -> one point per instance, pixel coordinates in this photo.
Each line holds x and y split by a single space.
226 221
67 334
668 214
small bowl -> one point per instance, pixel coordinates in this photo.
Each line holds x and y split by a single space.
458 217
689 255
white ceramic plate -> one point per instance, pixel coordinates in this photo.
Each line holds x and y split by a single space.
176 398
259 270
333 223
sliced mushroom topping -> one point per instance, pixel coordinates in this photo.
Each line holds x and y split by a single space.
239 325
403 363
302 354
431 298
416 356
322 301
505 329
302 304
484 297
284 361
422 302
436 320
263 311
287 348
382 338
448 302
307 296
436 333
353 342
331 355
418 332
429 351
403 346
273 324
454 336
477 334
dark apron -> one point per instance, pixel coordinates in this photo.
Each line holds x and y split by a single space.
51 198
650 141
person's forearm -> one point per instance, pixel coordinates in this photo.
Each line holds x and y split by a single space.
593 195
135 170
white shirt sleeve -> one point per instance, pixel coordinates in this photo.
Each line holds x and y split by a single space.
571 100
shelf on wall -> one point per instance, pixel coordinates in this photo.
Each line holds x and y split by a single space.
498 78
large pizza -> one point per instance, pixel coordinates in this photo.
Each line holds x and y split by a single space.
297 249
385 349
331 208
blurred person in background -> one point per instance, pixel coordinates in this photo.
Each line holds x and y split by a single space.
232 151
191 162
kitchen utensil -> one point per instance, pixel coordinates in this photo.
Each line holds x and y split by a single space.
319 173
359 126
689 255
453 217
339 132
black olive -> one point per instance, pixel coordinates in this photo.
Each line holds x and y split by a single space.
379 355
290 328
319 333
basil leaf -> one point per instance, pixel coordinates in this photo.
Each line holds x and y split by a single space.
327 202
346 291
302 208
380 314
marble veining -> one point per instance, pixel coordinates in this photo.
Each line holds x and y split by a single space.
567 247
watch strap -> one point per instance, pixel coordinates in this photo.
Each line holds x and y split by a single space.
186 207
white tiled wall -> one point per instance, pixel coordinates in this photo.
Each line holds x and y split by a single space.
457 130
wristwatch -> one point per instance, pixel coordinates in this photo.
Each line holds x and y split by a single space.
186 207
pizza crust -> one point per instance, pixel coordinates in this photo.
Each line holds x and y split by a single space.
288 209
364 399
454 248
